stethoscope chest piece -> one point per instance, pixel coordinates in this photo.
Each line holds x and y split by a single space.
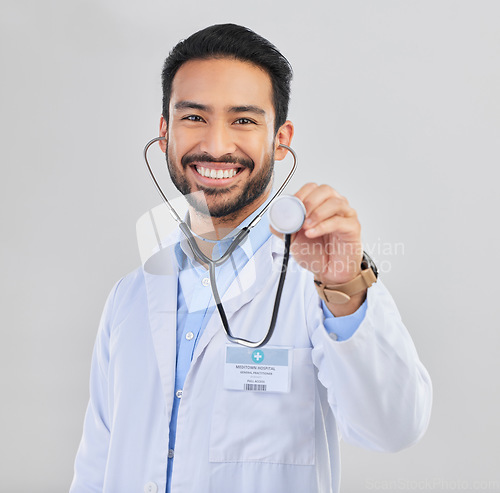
287 214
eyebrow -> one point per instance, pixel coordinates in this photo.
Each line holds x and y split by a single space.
233 109
247 109
192 105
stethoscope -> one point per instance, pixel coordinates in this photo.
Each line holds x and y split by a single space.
286 216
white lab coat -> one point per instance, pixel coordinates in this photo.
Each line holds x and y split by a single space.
371 389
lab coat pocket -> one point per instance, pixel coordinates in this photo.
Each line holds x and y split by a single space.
264 426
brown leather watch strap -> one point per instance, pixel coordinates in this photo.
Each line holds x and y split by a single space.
341 293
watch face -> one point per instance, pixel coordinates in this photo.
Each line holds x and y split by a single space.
368 263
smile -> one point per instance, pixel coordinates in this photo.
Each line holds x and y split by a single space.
216 173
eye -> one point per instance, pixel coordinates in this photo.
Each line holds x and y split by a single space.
244 121
193 118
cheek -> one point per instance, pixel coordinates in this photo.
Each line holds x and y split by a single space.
266 151
175 145
258 147
180 142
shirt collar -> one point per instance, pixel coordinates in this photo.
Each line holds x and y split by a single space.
257 237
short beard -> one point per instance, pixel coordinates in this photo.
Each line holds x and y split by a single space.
226 210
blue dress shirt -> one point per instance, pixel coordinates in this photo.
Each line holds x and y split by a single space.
195 305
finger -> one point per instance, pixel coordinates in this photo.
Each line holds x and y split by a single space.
305 191
331 207
345 226
319 195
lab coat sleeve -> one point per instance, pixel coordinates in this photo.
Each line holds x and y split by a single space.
90 462
345 326
378 390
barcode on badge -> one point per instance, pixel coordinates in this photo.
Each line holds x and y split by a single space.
255 386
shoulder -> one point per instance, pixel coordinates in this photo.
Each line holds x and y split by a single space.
126 293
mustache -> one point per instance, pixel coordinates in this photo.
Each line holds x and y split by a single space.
193 158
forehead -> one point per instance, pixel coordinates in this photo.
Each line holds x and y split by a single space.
222 82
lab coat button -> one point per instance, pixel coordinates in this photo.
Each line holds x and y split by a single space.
170 454
189 336
179 394
334 336
205 281
151 487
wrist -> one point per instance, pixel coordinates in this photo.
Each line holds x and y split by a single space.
337 279
348 308
353 290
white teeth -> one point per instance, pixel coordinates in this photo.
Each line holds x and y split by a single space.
214 173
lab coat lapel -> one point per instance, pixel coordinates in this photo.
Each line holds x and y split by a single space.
259 270
162 306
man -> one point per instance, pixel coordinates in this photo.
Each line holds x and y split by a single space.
163 414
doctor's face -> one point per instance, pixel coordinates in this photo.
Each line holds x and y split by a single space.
220 134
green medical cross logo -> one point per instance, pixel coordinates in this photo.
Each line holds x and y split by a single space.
258 356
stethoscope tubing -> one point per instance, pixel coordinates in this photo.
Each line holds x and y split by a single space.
238 239
220 308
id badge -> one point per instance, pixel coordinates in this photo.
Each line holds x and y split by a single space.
265 369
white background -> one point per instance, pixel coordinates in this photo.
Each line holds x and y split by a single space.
396 104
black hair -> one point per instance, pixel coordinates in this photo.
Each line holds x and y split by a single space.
240 43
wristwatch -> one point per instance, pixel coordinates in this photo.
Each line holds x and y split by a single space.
341 293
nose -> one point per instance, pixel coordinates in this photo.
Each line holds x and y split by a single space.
217 140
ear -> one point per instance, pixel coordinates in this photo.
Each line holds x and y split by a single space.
163 133
284 136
